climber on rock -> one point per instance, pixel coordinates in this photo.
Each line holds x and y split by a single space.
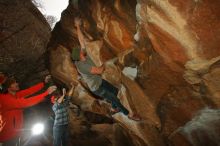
91 74
61 120
12 104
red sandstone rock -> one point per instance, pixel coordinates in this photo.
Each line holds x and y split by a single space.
174 44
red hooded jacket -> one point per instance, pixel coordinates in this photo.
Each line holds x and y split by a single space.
12 110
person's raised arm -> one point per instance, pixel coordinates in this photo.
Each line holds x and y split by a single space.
70 92
31 90
13 103
60 100
78 23
35 88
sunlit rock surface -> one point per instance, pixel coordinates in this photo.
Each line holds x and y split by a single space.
173 44
24 34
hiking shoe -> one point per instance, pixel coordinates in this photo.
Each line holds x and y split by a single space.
114 111
134 117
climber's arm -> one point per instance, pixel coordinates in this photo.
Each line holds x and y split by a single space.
78 23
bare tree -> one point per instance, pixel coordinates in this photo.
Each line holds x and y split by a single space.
38 4
51 20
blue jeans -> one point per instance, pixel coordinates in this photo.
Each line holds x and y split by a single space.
60 135
109 92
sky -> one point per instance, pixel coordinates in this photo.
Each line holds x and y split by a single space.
53 7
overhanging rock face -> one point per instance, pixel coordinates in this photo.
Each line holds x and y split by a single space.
173 44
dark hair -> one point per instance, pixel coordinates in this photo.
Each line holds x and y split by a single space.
57 93
8 82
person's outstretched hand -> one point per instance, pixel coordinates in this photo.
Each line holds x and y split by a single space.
51 89
72 85
64 91
78 21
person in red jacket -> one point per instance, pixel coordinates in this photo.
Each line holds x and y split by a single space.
12 105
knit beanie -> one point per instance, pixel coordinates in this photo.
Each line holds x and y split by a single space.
76 54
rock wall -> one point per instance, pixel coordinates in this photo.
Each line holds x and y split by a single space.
173 44
24 34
